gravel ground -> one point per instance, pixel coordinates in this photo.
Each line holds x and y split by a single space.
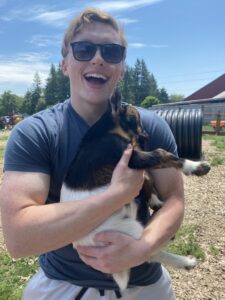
205 208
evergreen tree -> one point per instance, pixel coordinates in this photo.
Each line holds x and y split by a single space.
36 93
41 104
32 96
63 85
27 103
50 91
144 83
126 86
136 82
153 86
163 96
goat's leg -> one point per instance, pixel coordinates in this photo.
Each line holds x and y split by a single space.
175 260
151 196
160 158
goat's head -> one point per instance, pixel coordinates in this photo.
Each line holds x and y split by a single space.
127 118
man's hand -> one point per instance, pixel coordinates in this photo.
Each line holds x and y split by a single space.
126 181
123 252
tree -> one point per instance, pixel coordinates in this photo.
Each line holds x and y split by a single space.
36 92
63 85
57 88
50 90
126 86
163 96
136 82
33 96
27 103
149 101
153 86
41 104
9 103
144 83
176 97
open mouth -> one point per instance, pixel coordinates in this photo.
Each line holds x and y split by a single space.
96 79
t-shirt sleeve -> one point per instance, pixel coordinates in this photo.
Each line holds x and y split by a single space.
160 134
28 148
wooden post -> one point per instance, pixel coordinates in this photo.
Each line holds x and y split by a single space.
218 128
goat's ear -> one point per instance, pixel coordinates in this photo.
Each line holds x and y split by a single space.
115 102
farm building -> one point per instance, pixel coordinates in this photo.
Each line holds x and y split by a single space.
210 98
214 90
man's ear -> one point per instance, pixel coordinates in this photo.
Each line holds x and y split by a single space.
64 67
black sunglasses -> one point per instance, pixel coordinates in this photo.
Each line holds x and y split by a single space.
85 51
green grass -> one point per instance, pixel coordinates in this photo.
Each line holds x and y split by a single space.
4 137
14 275
216 140
217 160
186 243
2 152
213 250
207 128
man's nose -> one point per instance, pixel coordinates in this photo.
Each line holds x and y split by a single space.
97 59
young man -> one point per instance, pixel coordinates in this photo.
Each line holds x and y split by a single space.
38 155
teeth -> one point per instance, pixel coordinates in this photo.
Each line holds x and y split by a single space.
96 76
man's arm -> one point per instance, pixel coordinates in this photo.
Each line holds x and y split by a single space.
125 252
167 220
31 227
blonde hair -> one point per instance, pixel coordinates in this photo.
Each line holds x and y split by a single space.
89 16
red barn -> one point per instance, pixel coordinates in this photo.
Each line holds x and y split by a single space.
214 89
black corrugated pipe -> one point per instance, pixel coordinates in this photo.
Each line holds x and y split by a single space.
186 125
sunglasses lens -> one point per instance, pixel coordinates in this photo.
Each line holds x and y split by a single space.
83 51
113 53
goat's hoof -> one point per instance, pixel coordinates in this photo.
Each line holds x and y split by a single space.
202 169
191 264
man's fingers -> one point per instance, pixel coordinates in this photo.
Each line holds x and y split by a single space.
126 155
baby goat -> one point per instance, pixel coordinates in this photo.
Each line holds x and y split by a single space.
91 172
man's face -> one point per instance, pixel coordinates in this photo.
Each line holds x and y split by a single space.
84 75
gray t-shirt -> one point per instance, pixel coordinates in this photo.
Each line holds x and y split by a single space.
47 142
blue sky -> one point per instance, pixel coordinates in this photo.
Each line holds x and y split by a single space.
181 41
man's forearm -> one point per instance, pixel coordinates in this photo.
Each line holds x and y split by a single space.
41 228
163 226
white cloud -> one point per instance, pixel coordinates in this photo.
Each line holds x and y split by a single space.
137 45
123 5
127 21
159 46
41 40
141 45
40 13
17 74
56 18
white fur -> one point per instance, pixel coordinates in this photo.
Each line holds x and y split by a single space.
123 221
190 166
